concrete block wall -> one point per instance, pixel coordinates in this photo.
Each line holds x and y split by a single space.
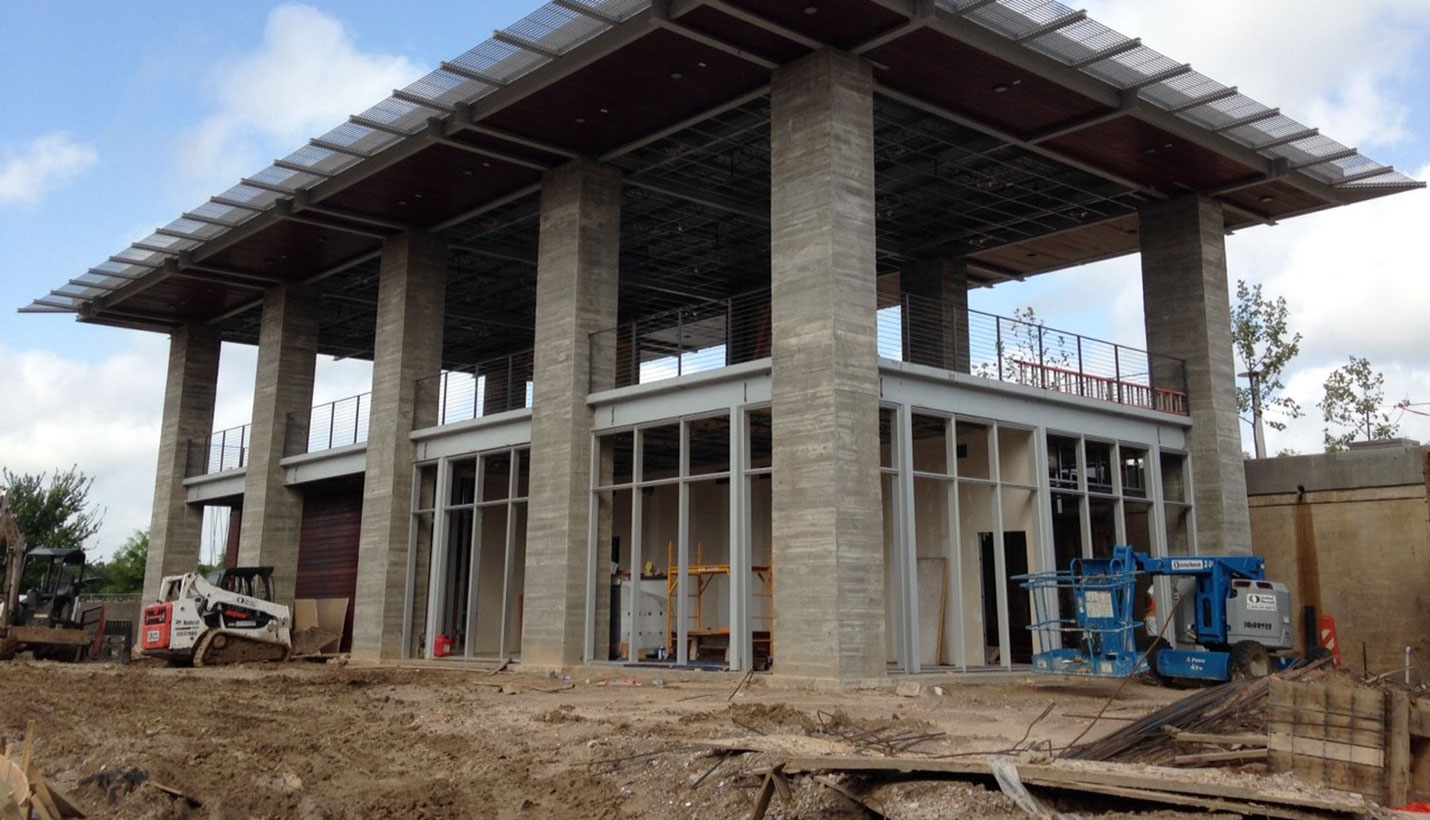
283 385
189 392
827 508
411 291
1187 310
578 264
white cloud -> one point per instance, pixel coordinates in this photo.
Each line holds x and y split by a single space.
306 78
49 162
1329 65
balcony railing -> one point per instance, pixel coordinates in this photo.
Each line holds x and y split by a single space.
912 329
686 340
492 386
335 424
925 331
218 451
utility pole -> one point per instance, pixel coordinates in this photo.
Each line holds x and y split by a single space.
1254 376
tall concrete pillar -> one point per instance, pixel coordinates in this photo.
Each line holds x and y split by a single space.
410 295
578 268
1188 313
937 319
189 393
287 355
827 531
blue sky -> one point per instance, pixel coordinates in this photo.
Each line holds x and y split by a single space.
120 116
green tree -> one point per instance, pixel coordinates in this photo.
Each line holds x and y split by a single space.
1264 346
56 513
124 573
1353 399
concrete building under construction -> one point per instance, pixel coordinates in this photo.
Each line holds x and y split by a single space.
672 355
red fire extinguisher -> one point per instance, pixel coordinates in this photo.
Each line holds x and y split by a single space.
442 647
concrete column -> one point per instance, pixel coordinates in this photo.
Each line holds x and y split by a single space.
937 316
1188 314
410 296
827 527
189 394
578 265
287 355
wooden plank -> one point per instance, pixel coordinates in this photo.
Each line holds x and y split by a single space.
1219 757
1280 715
1159 780
1397 749
1308 754
1322 750
1220 740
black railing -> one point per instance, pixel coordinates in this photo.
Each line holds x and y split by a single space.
911 328
706 336
492 386
925 331
218 451
335 424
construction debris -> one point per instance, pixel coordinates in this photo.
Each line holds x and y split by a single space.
24 790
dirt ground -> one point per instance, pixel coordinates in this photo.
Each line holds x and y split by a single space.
316 740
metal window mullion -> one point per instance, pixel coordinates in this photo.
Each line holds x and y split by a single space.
682 534
1046 547
438 557
953 550
409 591
509 555
741 639
474 574
637 517
1119 523
1000 557
593 538
1084 507
906 544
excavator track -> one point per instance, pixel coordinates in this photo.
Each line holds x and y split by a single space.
220 648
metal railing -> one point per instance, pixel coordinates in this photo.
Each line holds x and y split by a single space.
691 339
911 328
335 424
218 451
925 331
492 386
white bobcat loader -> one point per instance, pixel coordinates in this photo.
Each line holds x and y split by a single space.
226 618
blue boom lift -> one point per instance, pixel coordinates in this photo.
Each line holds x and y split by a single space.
1233 618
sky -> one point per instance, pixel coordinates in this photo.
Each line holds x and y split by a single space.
118 117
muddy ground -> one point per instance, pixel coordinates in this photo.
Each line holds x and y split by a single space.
316 740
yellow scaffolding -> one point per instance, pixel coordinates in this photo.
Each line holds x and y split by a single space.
705 574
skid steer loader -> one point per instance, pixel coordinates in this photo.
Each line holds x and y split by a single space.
228 617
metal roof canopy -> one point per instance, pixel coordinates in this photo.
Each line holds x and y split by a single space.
1016 133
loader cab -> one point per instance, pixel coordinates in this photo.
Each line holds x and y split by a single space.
55 578
255 582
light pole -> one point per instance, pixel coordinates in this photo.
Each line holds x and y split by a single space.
1254 377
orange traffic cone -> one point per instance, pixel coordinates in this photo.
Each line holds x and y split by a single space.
1328 639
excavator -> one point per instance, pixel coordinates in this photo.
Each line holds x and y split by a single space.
43 620
228 617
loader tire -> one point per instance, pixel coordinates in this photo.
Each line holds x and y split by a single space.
1249 659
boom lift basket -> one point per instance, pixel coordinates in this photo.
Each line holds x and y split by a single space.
1083 618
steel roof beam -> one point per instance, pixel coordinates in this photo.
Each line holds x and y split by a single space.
436 129
177 235
470 74
713 42
374 125
1339 155
1367 174
920 13
145 246
1250 119
328 145
1288 139
1160 77
1205 99
208 220
419 100
284 209
1052 26
586 12
236 203
1107 53
699 197
679 8
524 44
1129 103
462 119
119 260
268 186
302 169
116 274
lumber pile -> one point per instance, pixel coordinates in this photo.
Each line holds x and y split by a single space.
1223 715
24 791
